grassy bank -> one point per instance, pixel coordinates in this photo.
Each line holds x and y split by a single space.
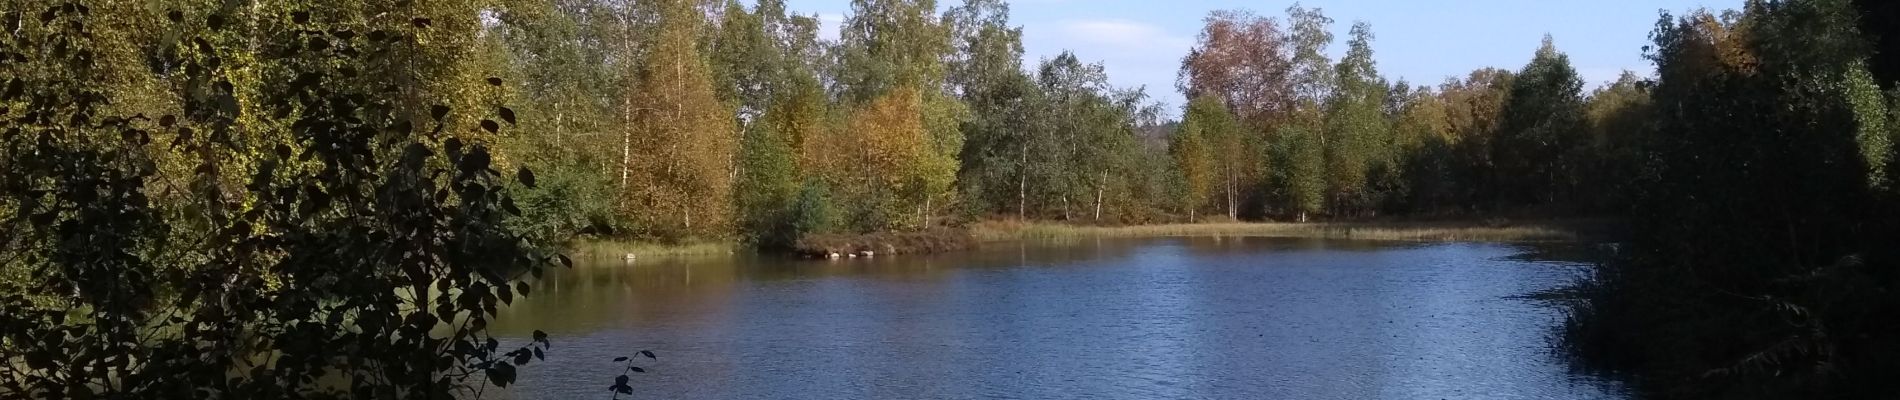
610 249
957 239
1485 231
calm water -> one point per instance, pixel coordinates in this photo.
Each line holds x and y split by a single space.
1137 319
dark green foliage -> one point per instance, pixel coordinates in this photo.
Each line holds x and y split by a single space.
1301 155
767 183
1540 139
359 258
1762 263
564 87
1358 133
812 211
987 71
567 200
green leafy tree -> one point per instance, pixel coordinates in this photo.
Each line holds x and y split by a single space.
1297 151
1303 171
746 61
1085 136
887 44
1194 163
986 72
1207 119
767 182
1541 134
1358 135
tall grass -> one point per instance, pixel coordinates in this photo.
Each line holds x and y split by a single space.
610 249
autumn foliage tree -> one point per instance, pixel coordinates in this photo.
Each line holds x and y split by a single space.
885 165
681 176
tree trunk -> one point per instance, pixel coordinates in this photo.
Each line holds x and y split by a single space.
626 116
626 147
1022 187
1098 195
1232 213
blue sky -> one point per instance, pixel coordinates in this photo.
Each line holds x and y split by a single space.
1424 41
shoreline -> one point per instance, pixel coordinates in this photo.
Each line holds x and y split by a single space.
1547 230
987 232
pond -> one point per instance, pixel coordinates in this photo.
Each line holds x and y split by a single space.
1201 318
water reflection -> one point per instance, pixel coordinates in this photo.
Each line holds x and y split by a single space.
1168 318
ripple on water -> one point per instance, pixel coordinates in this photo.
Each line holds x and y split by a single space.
1136 319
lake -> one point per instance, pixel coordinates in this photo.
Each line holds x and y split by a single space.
1200 318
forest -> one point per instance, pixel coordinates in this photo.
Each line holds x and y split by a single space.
285 198
671 121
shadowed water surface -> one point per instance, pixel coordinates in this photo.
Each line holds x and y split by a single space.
1249 318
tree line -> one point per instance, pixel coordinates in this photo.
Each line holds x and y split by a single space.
678 119
675 119
1301 135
